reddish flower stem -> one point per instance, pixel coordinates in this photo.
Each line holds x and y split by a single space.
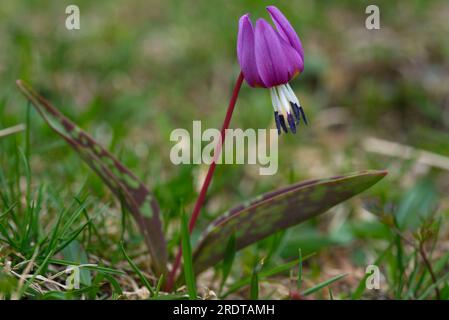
207 180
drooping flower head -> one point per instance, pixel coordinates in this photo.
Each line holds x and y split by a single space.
270 58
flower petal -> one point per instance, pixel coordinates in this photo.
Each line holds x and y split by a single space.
285 29
245 52
277 61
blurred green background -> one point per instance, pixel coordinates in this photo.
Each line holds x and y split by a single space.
136 70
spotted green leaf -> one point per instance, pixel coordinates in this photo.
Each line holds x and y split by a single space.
123 183
278 210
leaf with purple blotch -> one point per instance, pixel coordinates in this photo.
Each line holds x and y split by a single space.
123 183
278 210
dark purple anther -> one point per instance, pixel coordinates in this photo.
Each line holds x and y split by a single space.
278 125
282 122
291 122
296 112
303 115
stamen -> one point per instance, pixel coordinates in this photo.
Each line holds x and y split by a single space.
283 99
282 122
274 99
303 115
296 112
292 94
287 108
291 123
297 108
287 93
278 125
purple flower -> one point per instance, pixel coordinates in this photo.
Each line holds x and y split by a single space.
270 58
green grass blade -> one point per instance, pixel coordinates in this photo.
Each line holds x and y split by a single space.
137 270
264 274
323 284
159 285
228 260
254 288
431 289
299 283
115 286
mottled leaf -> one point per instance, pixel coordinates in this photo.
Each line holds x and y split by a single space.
276 211
123 183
